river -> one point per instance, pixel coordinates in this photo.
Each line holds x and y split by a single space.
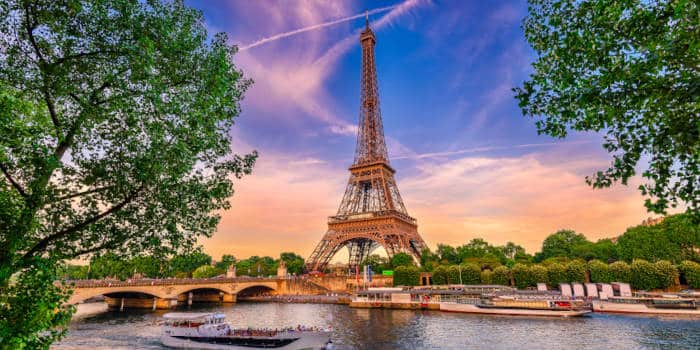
93 327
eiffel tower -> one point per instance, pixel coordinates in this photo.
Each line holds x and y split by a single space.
371 213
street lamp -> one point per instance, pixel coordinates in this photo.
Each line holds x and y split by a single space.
459 266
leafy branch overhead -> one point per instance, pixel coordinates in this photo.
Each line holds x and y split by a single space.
629 69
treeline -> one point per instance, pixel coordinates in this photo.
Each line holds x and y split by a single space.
195 265
641 274
647 256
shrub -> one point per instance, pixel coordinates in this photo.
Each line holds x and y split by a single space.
406 276
691 273
440 275
644 275
471 274
501 275
486 277
666 274
539 274
576 271
599 271
522 275
620 271
556 273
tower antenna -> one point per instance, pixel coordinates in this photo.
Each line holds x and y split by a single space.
366 18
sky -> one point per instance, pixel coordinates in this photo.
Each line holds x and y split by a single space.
469 165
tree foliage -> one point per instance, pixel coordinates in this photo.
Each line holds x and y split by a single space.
406 276
401 259
556 273
206 271
599 272
690 271
522 275
32 310
643 275
629 69
675 239
115 120
226 261
576 271
295 263
471 273
620 271
501 275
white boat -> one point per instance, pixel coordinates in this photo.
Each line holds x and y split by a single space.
210 331
519 306
646 303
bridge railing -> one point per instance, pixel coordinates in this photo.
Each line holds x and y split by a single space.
163 282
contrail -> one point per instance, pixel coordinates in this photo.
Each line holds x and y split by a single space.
486 149
313 27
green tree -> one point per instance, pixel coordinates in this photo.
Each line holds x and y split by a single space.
620 271
556 273
599 272
447 254
562 244
402 259
471 273
206 271
226 261
115 119
522 276
576 271
666 274
406 276
33 311
629 69
644 275
453 275
377 262
149 266
75 272
605 250
429 260
486 277
187 263
110 266
439 276
501 275
690 271
295 263
644 242
539 274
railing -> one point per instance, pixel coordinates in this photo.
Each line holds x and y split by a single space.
370 215
163 282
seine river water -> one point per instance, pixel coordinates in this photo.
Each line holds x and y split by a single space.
94 327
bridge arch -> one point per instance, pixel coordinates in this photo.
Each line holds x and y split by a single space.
81 294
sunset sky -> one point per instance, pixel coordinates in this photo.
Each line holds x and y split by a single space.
468 163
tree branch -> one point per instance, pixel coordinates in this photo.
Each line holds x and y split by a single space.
85 54
47 97
53 237
78 194
12 181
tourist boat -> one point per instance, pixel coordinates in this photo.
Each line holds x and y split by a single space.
519 305
649 303
210 331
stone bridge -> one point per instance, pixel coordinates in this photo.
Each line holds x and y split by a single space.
165 293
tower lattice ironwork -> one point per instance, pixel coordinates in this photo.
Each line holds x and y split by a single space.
372 213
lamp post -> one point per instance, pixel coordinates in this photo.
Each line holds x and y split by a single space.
459 266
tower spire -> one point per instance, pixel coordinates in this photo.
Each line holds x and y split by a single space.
366 19
371 146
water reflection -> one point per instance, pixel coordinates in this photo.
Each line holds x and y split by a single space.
96 328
